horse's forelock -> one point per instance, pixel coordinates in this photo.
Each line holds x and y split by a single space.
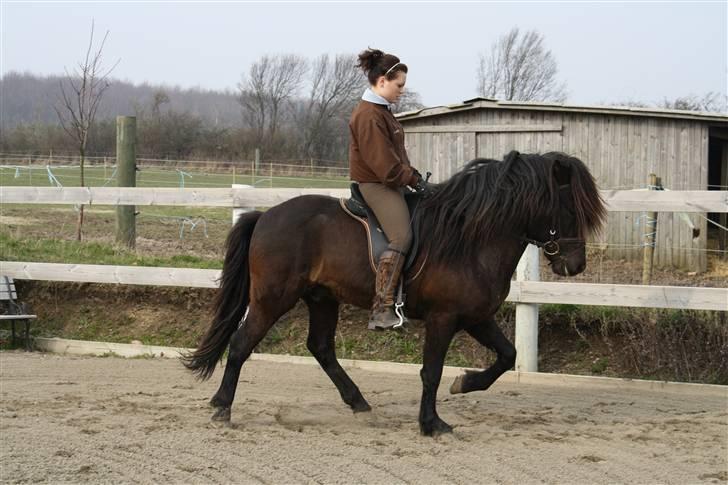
588 204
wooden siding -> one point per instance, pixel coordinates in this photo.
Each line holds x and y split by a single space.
621 152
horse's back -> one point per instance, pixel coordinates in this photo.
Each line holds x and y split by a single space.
311 241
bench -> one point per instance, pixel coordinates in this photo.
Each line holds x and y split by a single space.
12 311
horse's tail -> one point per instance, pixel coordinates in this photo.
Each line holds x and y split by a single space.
230 302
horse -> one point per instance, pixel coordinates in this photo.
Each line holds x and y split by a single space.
473 229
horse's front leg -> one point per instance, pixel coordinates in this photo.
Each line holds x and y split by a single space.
439 332
488 334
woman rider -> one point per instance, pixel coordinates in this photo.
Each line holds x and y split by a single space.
378 162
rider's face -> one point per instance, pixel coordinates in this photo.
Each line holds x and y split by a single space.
391 90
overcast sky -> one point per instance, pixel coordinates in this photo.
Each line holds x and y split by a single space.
606 51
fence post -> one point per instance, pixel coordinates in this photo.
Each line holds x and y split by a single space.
527 314
255 164
723 218
126 177
650 237
238 211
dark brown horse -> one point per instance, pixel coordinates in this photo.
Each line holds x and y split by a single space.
473 230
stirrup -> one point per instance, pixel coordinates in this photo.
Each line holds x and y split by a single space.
400 313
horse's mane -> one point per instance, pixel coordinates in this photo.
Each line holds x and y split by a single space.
488 198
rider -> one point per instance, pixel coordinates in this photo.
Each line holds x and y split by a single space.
378 162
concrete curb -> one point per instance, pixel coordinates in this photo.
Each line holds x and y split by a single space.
80 347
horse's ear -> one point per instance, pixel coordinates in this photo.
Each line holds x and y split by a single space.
561 170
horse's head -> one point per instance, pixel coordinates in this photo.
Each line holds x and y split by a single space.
577 210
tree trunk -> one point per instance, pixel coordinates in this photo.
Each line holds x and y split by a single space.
79 223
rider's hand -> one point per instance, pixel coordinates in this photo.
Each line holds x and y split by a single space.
422 187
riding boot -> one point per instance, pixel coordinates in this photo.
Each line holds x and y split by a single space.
388 272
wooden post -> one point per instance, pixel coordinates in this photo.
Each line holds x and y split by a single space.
649 238
233 174
256 163
238 211
527 314
723 217
126 177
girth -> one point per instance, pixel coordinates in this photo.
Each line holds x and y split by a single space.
377 241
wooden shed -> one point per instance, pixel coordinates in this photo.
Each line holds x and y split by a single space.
621 146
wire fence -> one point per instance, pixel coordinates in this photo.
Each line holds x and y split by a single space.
202 172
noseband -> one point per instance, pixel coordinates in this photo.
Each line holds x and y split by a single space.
552 247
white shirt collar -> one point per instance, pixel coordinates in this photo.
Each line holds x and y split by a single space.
373 97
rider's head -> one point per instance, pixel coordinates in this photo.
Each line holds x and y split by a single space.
385 73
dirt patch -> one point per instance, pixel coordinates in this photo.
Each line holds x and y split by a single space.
72 419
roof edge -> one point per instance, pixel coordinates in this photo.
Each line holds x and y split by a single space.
481 103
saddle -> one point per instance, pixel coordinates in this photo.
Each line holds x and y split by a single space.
377 241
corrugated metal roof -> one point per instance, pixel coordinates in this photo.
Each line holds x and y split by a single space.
487 103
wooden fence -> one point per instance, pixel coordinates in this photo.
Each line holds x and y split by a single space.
524 292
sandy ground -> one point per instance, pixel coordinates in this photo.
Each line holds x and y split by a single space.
85 419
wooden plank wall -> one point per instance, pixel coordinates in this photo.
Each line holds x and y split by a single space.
621 152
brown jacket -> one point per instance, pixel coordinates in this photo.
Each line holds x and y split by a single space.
376 151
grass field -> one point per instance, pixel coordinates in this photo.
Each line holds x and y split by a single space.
158 177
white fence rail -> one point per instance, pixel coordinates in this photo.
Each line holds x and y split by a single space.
617 200
679 297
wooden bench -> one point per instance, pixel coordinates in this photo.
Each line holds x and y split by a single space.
12 311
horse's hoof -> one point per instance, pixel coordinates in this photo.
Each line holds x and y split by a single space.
435 428
361 407
221 416
457 385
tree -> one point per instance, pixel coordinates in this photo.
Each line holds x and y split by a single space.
520 68
81 93
409 101
271 82
711 101
335 87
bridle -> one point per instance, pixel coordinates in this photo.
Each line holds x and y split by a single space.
551 247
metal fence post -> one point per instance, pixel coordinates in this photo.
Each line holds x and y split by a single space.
527 314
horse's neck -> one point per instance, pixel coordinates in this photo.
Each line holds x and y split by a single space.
500 257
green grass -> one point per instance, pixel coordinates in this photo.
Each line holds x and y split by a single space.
65 251
156 177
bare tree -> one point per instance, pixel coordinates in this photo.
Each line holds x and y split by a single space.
271 82
336 85
711 102
520 68
409 101
81 93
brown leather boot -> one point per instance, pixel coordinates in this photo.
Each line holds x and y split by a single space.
388 271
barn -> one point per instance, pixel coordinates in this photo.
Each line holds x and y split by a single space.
621 145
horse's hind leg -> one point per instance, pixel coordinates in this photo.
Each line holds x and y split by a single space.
324 314
261 317
489 335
